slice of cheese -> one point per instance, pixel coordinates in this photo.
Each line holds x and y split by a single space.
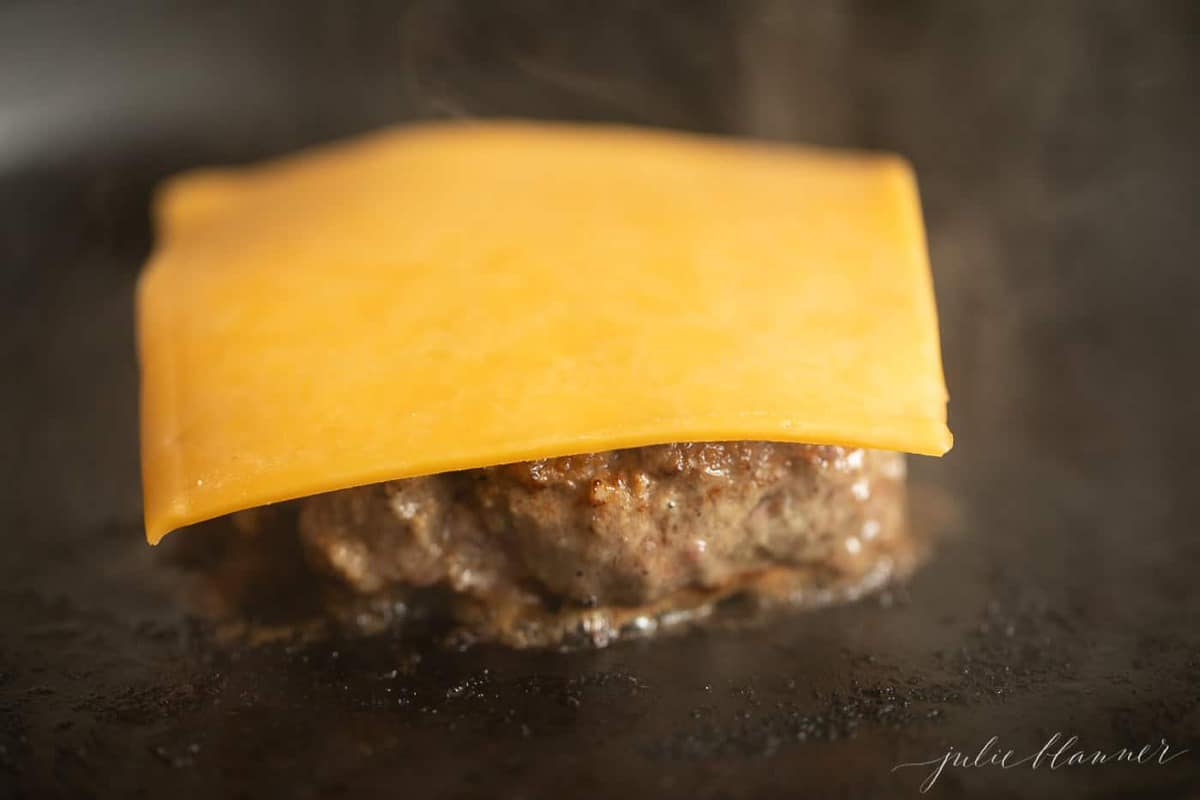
443 297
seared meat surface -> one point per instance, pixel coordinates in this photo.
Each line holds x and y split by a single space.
623 528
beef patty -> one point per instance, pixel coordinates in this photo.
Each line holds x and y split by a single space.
643 528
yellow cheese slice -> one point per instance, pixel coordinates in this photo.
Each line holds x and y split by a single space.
442 297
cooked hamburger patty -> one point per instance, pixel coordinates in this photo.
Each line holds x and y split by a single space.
620 528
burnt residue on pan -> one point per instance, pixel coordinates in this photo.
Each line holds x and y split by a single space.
139 663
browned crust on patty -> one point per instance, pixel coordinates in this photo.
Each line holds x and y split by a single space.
619 531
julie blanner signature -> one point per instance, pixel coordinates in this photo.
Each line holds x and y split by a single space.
1058 752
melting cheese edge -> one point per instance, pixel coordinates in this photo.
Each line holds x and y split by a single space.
450 296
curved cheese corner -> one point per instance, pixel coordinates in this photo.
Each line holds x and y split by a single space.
452 296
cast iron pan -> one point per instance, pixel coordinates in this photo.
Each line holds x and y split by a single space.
1056 148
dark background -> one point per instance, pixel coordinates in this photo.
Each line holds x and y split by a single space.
1056 145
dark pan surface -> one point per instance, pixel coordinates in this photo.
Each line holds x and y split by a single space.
1057 150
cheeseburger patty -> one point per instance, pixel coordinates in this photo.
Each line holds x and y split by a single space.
617 532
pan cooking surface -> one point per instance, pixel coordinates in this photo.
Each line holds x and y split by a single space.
1056 151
